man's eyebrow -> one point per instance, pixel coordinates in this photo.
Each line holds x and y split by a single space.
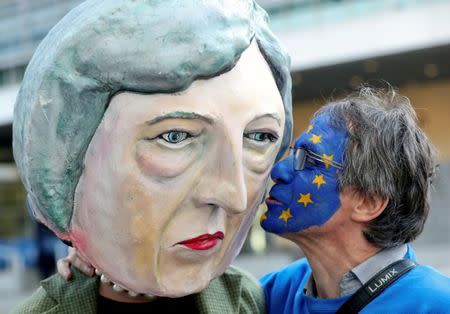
274 116
180 115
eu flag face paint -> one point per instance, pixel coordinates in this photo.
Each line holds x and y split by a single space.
306 190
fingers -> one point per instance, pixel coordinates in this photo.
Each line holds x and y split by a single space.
79 263
71 253
63 267
72 259
85 268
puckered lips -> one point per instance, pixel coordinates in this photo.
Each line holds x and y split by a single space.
271 200
203 242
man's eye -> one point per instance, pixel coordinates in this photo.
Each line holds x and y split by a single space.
261 136
174 137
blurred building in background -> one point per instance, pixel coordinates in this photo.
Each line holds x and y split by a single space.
23 245
335 46
23 24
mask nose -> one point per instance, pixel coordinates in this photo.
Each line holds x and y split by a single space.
222 183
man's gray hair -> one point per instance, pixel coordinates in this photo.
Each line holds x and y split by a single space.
387 155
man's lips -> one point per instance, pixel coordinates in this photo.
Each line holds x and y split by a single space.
203 242
273 200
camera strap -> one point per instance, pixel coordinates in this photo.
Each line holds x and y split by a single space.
376 285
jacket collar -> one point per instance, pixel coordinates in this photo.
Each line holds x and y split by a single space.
80 293
222 295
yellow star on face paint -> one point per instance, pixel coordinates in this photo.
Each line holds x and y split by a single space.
319 180
286 215
305 199
316 139
309 129
327 160
263 217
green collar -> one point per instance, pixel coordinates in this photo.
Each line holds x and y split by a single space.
80 293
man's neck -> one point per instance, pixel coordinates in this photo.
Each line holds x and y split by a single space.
330 257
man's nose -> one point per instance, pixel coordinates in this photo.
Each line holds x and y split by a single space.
223 180
283 171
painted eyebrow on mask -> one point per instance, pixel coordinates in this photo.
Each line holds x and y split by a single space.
180 115
268 115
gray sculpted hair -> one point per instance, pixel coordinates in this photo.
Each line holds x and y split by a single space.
103 47
387 155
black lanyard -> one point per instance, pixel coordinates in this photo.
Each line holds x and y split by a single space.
375 286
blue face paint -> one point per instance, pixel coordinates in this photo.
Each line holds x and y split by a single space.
309 197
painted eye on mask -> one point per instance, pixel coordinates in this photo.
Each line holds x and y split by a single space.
174 137
261 136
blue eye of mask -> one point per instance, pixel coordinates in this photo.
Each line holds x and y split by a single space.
306 189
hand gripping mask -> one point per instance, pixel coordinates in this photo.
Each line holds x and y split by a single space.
306 190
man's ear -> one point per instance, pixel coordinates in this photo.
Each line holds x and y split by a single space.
368 206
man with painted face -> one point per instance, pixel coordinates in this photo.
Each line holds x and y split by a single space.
352 194
144 134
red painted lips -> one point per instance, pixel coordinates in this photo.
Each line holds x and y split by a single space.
203 242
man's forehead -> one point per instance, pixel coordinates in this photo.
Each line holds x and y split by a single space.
322 134
320 126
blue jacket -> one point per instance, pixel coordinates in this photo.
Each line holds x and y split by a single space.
421 290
